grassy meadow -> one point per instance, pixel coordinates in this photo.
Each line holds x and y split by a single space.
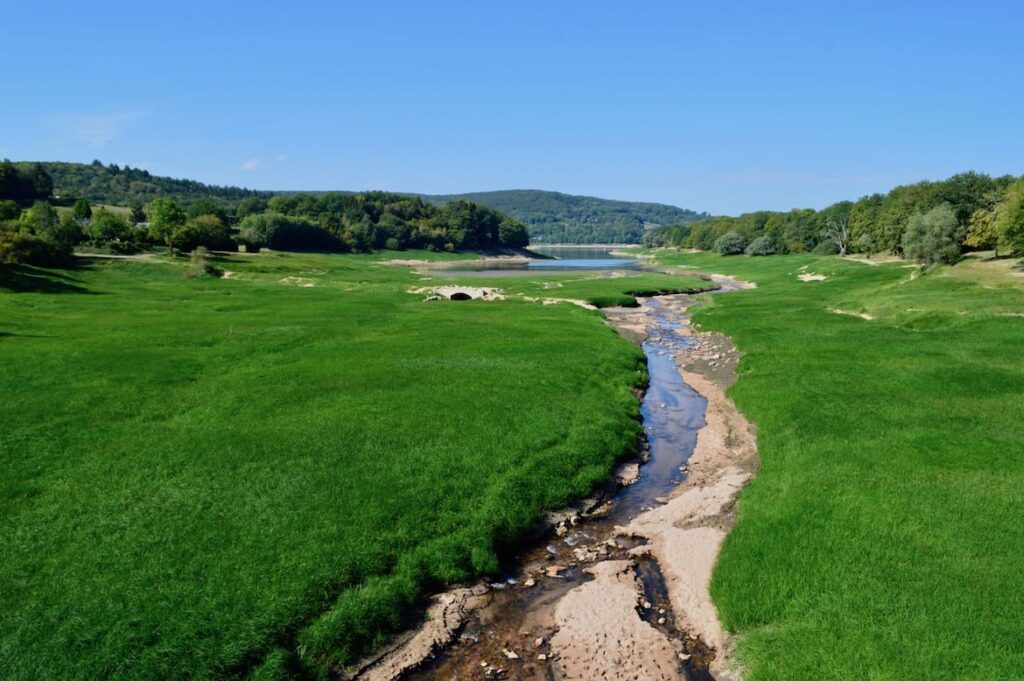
882 537
590 287
263 473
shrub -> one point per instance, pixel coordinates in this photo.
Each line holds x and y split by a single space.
286 233
207 231
19 245
933 237
41 218
68 233
164 218
392 244
109 227
762 245
730 244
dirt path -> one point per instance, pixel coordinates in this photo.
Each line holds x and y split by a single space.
620 592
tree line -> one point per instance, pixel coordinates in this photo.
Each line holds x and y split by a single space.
926 221
33 231
123 185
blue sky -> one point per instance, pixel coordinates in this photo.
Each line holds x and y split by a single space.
718 106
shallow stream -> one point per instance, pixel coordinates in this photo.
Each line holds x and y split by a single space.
519 611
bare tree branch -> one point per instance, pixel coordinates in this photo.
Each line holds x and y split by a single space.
839 232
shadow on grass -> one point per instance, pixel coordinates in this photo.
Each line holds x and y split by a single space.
28 279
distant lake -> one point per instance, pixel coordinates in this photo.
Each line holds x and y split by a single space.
562 259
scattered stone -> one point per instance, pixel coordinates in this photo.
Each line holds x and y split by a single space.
510 654
555 570
627 473
538 642
647 605
529 583
542 657
661 620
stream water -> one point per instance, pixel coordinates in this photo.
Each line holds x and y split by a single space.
522 601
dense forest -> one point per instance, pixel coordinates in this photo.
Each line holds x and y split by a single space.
123 185
926 221
552 217
34 231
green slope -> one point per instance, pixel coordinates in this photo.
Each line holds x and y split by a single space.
112 184
553 217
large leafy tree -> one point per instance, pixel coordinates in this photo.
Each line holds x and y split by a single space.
1009 220
41 218
109 227
165 216
933 237
207 231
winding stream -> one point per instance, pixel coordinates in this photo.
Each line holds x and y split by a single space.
519 609
504 629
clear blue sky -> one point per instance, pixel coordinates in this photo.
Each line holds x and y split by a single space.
718 106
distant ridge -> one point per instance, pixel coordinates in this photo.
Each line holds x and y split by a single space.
122 185
550 217
554 217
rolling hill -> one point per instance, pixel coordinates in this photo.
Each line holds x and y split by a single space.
550 217
553 217
112 184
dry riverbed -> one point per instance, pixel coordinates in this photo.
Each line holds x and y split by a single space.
616 590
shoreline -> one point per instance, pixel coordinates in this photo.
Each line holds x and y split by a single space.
603 594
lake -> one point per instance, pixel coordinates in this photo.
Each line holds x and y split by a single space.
556 259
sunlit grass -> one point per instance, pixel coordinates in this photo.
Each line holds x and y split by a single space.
201 473
882 536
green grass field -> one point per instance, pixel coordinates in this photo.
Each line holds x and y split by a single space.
882 537
590 287
210 477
